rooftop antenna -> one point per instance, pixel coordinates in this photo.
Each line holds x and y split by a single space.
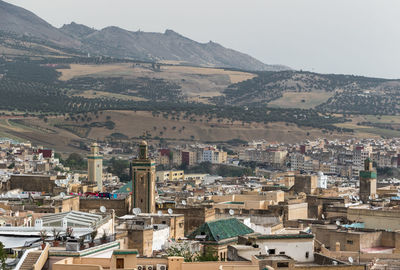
350 260
103 209
136 211
170 211
231 212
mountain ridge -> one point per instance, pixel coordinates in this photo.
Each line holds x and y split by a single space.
116 42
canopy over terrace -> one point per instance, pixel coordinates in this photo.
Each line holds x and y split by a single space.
74 219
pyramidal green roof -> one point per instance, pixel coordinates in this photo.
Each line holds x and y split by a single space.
127 188
221 229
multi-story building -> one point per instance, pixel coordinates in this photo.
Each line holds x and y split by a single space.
189 158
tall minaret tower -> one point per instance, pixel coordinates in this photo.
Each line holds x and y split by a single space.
95 167
143 181
367 182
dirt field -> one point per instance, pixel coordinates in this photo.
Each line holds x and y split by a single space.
196 82
301 100
369 131
135 124
100 94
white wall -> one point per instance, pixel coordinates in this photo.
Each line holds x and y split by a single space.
295 249
260 229
159 238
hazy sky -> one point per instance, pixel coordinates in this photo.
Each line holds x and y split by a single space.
336 36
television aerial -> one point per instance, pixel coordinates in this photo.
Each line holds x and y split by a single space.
159 213
350 260
136 211
170 211
231 212
103 209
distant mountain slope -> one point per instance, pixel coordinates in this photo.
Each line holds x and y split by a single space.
117 42
342 93
23 22
120 43
77 30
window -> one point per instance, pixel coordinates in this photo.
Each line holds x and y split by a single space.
120 263
164 222
350 242
271 251
307 254
283 253
282 264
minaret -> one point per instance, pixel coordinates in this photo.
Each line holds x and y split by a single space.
367 182
143 181
95 167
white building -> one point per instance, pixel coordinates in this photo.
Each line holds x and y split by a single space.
322 180
298 246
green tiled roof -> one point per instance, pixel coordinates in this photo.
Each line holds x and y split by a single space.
367 174
234 203
285 236
125 252
126 188
221 229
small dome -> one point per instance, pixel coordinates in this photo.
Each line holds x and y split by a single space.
143 143
95 144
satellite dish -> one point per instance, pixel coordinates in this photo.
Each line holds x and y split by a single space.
183 202
376 196
323 216
159 213
231 212
370 197
170 211
361 202
338 222
103 209
335 263
62 194
136 211
350 260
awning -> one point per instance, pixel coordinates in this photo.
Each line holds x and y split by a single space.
16 242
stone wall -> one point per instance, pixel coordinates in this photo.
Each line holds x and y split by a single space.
121 206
